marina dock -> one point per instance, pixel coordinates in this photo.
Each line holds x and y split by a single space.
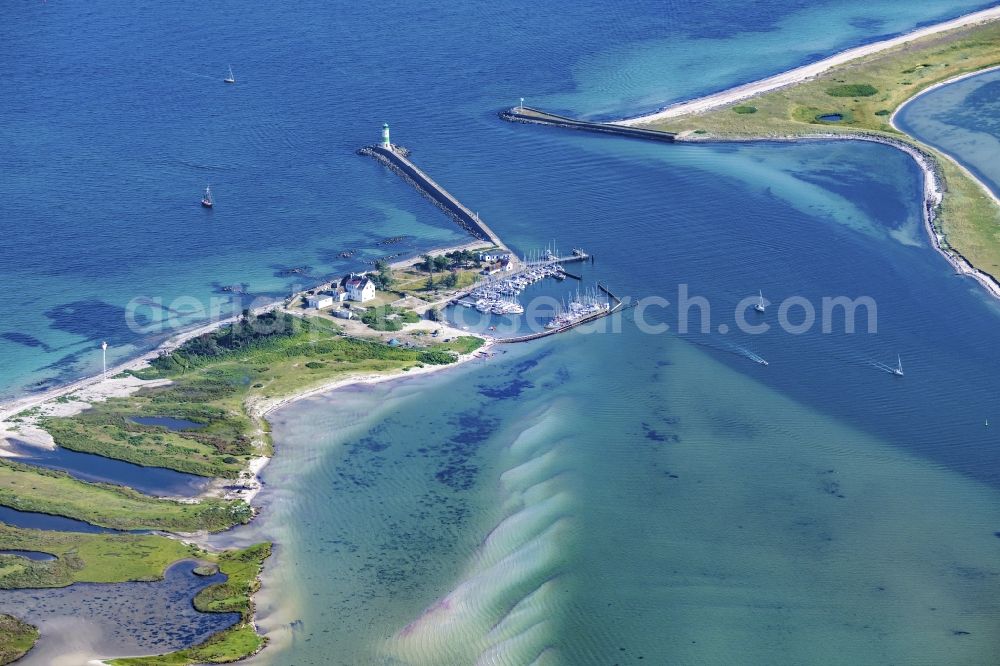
497 294
616 304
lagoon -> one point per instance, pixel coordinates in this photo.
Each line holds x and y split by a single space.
90 467
117 619
960 118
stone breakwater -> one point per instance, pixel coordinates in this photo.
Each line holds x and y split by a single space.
934 181
526 114
396 159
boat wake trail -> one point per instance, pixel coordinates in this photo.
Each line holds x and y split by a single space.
729 347
884 367
743 351
504 607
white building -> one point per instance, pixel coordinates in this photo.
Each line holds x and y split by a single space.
319 301
358 287
500 266
493 257
343 314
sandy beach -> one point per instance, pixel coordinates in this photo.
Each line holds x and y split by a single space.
805 72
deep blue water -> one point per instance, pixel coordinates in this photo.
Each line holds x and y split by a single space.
116 126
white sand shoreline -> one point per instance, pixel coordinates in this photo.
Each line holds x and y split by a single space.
805 72
261 409
77 396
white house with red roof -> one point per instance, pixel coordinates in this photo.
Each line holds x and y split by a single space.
358 287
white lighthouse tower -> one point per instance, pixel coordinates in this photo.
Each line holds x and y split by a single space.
385 137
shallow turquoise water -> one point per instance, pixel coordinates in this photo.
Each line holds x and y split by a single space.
589 499
661 496
549 509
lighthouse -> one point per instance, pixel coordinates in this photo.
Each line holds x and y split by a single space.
385 137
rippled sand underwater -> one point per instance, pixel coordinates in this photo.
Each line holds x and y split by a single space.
672 510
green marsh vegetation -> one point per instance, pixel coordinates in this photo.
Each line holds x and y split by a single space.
213 380
852 90
29 488
16 638
87 558
214 376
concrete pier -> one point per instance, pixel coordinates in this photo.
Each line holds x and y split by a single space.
397 159
526 114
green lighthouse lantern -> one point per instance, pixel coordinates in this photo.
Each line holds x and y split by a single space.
385 136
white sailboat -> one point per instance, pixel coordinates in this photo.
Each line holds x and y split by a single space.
230 78
898 370
760 304
206 199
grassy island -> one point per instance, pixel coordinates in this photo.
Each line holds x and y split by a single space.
88 558
16 638
30 488
858 98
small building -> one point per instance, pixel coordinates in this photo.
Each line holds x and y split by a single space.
343 314
339 295
499 266
493 257
358 287
319 301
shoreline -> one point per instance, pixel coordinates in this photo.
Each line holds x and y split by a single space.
95 388
263 408
260 410
803 72
13 406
